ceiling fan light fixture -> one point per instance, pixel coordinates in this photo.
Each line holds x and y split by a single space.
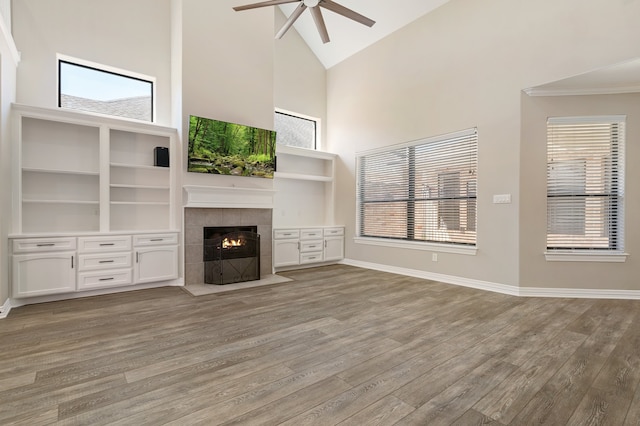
314 7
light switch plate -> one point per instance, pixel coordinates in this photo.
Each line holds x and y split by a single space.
502 199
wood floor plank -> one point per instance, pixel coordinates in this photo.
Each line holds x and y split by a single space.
386 411
337 345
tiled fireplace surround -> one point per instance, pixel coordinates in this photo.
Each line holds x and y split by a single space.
196 219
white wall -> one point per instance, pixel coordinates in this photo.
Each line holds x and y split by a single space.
227 73
300 78
130 35
461 66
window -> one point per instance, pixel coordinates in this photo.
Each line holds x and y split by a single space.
295 130
95 88
585 183
423 191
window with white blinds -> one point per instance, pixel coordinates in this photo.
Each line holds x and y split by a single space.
422 191
585 183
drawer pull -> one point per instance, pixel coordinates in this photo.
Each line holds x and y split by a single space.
287 234
157 239
312 246
106 244
106 261
46 245
106 279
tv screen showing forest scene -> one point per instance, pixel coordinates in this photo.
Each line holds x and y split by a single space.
222 148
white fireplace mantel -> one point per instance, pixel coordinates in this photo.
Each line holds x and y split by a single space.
198 196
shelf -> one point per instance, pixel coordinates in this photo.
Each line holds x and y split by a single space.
61 172
138 166
139 203
118 185
299 176
60 202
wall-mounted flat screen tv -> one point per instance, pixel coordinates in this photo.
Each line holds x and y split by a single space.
223 148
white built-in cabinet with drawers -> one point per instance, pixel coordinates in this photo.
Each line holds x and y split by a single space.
295 247
91 210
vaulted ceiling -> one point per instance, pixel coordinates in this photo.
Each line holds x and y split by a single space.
349 37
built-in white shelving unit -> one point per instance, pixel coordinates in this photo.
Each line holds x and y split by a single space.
88 180
76 172
303 220
305 183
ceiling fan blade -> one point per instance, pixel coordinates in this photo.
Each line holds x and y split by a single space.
346 12
294 16
263 4
319 20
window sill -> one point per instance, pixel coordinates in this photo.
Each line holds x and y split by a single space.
596 256
415 245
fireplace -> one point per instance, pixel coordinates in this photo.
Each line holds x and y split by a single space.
231 254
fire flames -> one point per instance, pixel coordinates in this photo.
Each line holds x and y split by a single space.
227 243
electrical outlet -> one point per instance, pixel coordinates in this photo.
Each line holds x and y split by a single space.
434 257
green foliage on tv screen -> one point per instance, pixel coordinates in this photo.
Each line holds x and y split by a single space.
220 147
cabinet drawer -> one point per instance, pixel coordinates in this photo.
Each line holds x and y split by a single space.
102 244
311 257
285 234
28 245
310 246
102 279
328 232
311 234
154 240
91 262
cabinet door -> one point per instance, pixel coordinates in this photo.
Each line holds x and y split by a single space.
156 264
43 273
286 253
333 248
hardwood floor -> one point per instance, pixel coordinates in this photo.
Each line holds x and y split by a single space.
338 345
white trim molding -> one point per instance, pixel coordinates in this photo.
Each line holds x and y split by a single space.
596 256
228 197
573 293
418 245
5 309
447 279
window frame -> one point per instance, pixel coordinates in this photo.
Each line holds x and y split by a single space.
60 58
592 254
316 120
412 243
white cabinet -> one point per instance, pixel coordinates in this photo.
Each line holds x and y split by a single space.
156 257
92 182
104 261
333 244
43 266
307 246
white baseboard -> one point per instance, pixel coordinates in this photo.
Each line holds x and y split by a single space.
573 293
5 309
77 295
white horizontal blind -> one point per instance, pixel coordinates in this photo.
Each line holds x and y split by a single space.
585 183
423 191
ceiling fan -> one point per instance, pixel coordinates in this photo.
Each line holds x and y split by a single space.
314 7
